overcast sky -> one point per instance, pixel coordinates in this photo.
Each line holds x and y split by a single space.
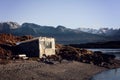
69 13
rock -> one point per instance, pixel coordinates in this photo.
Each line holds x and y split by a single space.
100 59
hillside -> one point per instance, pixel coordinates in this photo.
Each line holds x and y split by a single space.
7 43
62 34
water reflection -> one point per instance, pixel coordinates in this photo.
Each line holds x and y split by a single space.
115 71
113 74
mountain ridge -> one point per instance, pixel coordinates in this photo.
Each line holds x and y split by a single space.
101 31
61 33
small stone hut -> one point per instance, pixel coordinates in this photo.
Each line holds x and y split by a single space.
36 47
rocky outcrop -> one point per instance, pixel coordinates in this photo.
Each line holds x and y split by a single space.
86 56
71 53
7 43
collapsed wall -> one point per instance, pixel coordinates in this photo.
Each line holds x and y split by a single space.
36 47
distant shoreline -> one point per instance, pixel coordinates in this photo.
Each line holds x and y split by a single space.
104 45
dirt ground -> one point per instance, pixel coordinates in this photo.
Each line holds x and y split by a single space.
33 70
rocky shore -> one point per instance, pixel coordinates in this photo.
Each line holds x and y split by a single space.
33 70
69 63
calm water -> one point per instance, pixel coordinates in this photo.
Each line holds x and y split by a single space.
113 74
115 52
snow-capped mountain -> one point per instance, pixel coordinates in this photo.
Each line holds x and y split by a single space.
101 31
62 34
88 30
8 26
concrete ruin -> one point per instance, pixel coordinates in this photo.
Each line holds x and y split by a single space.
36 47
